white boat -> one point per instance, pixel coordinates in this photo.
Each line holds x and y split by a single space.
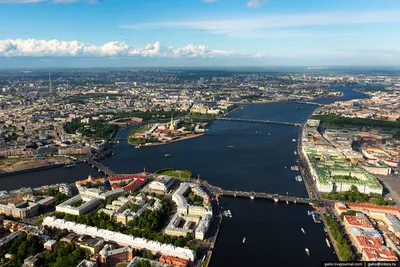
298 178
244 240
137 146
252 197
327 242
307 251
293 140
167 155
230 146
302 229
287 202
269 134
276 200
70 165
294 152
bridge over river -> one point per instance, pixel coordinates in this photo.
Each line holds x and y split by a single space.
100 167
258 121
253 195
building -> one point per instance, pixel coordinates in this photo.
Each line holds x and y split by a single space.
202 227
360 221
20 210
111 257
182 206
366 239
49 245
86 263
182 224
78 205
380 254
161 183
392 222
152 263
173 261
91 244
122 239
368 207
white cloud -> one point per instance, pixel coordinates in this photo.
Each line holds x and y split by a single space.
21 1
53 1
45 48
255 3
263 26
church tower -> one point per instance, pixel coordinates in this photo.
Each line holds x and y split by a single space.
172 124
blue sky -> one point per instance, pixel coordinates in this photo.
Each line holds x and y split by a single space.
192 32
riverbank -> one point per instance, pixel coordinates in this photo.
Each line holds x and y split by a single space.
170 142
8 165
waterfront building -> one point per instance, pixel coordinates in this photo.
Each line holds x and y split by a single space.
179 198
161 183
331 168
78 205
122 239
189 213
202 227
20 210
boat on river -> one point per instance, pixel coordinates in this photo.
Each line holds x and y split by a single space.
327 242
244 240
70 165
302 229
307 251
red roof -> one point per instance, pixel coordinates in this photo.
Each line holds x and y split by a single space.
132 186
371 242
372 207
358 221
126 177
382 254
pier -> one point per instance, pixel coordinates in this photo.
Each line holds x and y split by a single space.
100 167
259 121
261 195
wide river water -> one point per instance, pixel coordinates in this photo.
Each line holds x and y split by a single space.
238 156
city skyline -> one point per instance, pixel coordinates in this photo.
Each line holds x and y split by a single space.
73 33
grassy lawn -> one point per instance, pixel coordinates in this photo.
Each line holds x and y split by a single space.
140 129
178 174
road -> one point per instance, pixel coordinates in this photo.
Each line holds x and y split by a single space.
392 183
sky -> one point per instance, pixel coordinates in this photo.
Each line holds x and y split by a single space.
124 33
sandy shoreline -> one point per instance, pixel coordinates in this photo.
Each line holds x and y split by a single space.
173 141
18 164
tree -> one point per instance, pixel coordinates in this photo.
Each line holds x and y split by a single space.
148 255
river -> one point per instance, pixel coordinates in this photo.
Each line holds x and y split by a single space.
238 156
